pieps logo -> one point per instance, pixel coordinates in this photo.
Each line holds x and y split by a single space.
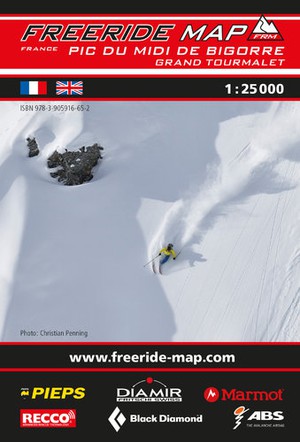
24 392
149 390
258 418
53 393
265 30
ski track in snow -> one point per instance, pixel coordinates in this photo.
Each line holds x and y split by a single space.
276 135
246 288
273 146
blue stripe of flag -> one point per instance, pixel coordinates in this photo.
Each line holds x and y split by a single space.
24 87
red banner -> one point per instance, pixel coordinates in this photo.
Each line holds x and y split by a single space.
197 44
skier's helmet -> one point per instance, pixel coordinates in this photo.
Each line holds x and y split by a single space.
170 246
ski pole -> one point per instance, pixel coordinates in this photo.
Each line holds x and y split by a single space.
151 260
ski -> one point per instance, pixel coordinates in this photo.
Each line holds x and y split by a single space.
155 270
153 267
159 269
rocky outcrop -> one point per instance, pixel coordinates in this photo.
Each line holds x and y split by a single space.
71 167
32 146
75 167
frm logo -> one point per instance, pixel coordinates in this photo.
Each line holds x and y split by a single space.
212 394
259 418
265 30
149 390
59 418
53 393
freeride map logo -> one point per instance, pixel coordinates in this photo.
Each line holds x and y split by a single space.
113 43
265 30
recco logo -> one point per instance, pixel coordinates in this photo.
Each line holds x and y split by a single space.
49 418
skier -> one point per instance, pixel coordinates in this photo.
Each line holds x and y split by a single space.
167 252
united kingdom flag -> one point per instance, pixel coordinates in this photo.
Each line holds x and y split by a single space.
69 87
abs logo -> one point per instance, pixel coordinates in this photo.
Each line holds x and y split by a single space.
48 418
238 415
258 418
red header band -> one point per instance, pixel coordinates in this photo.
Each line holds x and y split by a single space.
198 44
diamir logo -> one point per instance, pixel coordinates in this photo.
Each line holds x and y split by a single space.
149 390
117 418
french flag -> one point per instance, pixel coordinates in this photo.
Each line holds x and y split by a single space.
33 87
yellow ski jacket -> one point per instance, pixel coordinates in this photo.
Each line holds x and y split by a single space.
168 252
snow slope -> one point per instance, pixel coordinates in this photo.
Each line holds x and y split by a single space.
217 179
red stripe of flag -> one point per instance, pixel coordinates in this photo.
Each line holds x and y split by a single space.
42 87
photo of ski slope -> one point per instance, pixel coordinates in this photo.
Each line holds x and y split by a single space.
219 180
